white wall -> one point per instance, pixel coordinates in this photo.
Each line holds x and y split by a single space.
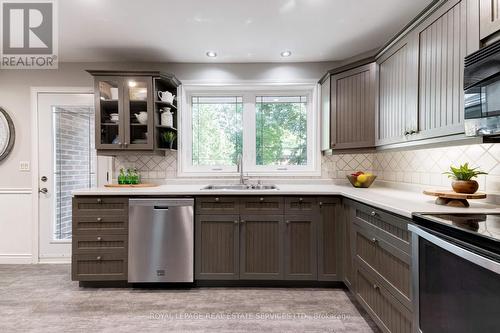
15 207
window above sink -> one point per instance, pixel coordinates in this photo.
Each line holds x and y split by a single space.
273 127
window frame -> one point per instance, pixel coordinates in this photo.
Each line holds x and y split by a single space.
249 94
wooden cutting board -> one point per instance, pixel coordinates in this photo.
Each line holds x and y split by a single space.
452 198
131 185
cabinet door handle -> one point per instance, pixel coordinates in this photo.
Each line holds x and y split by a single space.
320 203
376 287
98 258
99 201
236 221
374 240
242 221
301 199
99 219
373 213
125 144
261 199
287 222
99 238
407 133
217 199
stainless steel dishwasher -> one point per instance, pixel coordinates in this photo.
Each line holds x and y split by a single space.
161 240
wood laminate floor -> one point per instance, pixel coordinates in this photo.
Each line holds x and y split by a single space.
42 298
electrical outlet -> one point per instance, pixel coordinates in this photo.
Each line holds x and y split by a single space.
24 166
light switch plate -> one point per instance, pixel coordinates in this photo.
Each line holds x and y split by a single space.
24 166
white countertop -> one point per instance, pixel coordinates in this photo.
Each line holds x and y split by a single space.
399 201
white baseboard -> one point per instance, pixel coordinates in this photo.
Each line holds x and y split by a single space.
56 260
16 259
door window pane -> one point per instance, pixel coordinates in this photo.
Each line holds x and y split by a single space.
75 161
281 130
217 130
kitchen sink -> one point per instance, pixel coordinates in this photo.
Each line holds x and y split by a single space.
240 187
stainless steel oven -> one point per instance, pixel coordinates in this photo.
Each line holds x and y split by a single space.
456 282
482 92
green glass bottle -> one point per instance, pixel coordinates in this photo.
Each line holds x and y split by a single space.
121 177
128 179
134 178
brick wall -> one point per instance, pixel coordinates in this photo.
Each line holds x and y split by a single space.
75 161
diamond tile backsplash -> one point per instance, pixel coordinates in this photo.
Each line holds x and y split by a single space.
417 166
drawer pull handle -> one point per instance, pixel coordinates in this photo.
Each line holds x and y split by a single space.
320 203
99 201
99 238
374 240
217 199
99 219
236 222
373 213
261 199
98 258
376 287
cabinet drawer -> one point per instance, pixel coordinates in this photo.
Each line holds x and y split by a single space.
392 229
391 265
389 314
99 243
262 205
217 205
99 267
100 223
301 205
100 206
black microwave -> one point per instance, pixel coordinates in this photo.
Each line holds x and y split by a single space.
482 92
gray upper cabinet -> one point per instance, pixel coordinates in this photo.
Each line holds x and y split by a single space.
325 114
397 92
441 41
353 108
489 21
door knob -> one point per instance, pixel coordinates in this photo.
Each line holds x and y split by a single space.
43 190
44 178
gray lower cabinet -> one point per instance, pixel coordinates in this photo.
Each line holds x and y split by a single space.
301 252
346 244
261 247
380 258
217 247
100 239
329 239
267 238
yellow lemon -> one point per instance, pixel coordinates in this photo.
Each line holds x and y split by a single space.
357 184
362 178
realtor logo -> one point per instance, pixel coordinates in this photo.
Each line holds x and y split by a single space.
29 34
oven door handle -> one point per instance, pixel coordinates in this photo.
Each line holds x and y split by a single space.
475 258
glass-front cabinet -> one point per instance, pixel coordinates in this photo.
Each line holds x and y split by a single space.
139 115
126 109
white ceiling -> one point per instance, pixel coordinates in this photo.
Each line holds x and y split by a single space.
238 30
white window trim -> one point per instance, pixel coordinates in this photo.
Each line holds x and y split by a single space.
248 92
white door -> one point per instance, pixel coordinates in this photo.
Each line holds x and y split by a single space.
66 161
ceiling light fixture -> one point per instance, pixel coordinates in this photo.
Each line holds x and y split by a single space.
286 53
211 54
132 84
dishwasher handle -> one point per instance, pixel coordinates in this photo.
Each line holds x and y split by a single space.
161 207
161 203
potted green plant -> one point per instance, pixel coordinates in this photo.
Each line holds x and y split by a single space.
169 138
462 178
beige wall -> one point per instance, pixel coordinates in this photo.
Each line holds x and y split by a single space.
15 93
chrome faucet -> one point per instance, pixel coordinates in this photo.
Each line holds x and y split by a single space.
239 166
